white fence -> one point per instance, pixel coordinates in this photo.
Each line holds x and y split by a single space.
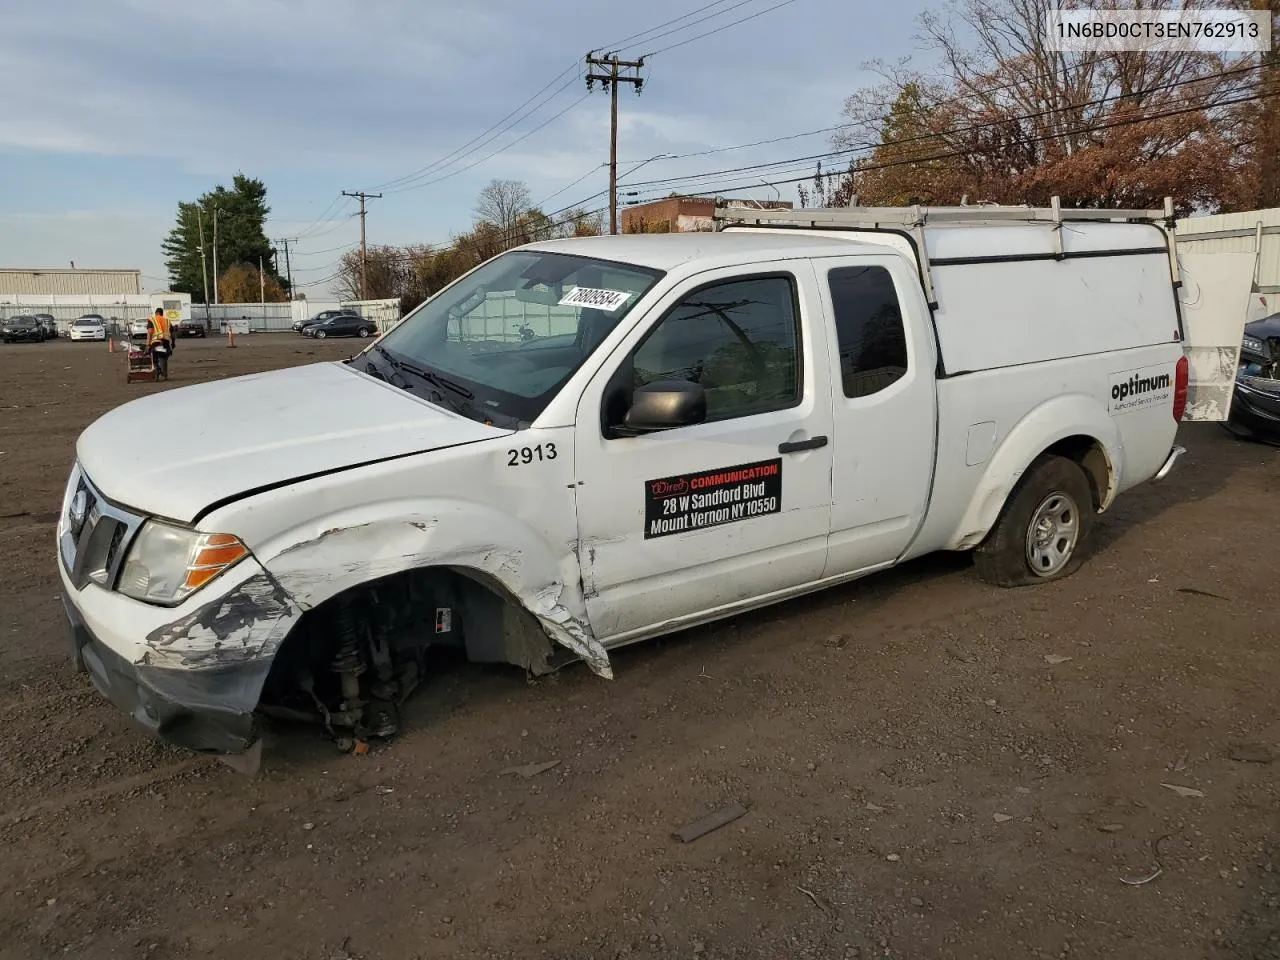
240 317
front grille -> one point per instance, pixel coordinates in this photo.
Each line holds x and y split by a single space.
93 533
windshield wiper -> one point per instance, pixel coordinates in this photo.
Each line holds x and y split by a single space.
395 368
435 378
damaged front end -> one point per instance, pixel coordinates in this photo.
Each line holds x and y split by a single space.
339 630
351 662
1255 402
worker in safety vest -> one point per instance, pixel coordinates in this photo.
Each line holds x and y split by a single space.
160 333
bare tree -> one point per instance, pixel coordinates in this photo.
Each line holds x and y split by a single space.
502 204
1010 120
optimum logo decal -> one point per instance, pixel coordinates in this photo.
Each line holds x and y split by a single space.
1140 389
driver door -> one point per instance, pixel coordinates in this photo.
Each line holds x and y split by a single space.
690 522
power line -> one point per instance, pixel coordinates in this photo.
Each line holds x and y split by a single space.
618 44
316 253
411 180
568 186
436 164
726 26
976 92
436 173
524 136
338 225
329 212
691 23
1131 121
758 167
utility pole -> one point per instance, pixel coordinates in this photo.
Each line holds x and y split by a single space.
363 197
215 256
204 264
610 81
287 268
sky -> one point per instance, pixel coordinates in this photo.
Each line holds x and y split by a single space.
130 106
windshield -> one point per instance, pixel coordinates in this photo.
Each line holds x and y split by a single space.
88 322
512 332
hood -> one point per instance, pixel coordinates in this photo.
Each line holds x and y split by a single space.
1265 328
214 441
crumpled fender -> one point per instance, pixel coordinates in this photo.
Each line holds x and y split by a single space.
1064 416
330 554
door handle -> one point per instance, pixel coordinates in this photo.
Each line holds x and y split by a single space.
795 446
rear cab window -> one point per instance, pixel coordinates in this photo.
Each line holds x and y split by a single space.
870 335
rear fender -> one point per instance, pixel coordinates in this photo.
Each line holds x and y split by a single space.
1063 417
334 553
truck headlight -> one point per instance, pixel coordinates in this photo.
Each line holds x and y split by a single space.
167 563
1255 346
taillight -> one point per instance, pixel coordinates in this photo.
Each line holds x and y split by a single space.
1182 377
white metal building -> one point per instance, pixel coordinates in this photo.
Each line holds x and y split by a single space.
1251 231
21 281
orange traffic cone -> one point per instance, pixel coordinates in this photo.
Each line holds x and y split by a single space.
111 344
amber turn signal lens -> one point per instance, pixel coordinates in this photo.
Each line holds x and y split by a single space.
214 553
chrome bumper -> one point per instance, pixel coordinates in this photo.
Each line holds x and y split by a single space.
1174 454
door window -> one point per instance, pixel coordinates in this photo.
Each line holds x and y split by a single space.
869 330
738 339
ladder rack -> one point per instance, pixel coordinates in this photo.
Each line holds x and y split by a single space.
914 219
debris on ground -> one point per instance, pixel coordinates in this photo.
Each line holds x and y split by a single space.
1001 817
1055 659
1111 827
1183 791
1251 753
875 808
812 896
712 821
1137 881
1204 593
531 769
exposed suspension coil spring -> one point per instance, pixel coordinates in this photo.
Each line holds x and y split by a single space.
347 658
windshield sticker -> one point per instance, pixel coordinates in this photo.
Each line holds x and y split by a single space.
696 501
608 300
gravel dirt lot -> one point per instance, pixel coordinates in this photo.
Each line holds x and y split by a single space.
925 777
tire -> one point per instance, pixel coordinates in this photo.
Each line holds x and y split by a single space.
1055 497
363 332
320 334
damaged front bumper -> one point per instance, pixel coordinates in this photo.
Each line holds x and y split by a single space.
185 706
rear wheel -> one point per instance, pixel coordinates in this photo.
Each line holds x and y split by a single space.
1042 531
364 332
320 334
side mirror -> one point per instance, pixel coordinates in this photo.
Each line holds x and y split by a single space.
665 404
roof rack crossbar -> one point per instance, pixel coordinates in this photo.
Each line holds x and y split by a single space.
913 219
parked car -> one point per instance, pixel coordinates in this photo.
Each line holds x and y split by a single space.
138 329
191 327
321 317
342 325
91 326
26 328
49 325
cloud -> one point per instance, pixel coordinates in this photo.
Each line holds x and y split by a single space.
148 102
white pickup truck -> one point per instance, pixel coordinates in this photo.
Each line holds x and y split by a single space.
584 443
